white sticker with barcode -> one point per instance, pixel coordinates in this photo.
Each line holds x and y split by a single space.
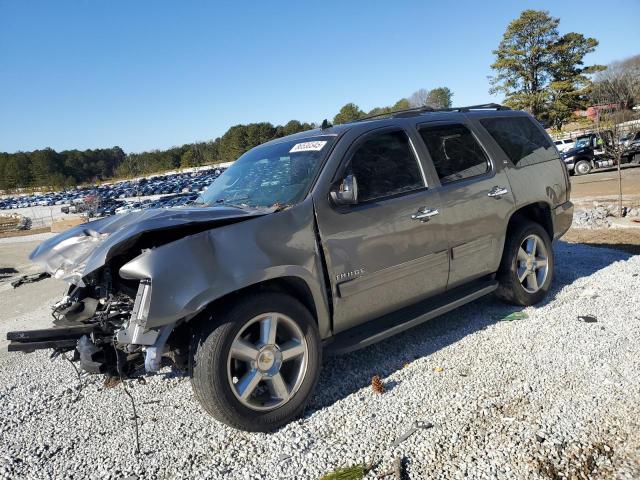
308 146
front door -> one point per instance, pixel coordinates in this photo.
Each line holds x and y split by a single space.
390 249
475 195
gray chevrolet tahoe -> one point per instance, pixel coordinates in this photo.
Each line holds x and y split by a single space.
320 242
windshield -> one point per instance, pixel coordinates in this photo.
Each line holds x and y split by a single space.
270 175
583 142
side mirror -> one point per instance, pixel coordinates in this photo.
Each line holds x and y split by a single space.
347 192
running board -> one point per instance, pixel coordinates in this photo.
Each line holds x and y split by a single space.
388 325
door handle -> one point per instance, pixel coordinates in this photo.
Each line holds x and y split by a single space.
497 192
424 214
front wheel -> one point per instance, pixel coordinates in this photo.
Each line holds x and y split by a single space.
256 365
582 167
527 264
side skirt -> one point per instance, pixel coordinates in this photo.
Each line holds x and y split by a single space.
388 325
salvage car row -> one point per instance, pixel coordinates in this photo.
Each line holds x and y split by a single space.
177 183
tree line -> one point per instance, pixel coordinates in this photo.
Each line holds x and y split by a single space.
49 169
440 97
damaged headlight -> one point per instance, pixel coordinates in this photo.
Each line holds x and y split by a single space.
70 256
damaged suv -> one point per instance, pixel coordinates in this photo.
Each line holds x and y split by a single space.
324 241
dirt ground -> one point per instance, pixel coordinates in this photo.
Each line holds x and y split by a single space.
603 186
22 233
627 240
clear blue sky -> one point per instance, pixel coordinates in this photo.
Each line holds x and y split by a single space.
152 74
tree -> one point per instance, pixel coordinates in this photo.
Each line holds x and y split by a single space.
615 90
540 71
348 113
419 98
401 104
618 84
439 98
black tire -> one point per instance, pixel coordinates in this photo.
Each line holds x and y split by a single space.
208 362
510 289
585 165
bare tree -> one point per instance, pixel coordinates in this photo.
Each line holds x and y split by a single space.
616 89
619 83
419 98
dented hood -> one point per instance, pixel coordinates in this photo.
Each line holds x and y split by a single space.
75 253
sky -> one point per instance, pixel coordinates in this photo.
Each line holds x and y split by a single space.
153 74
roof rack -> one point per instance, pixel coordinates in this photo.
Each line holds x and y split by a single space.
409 112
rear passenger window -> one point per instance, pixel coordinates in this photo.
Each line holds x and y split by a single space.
384 165
521 140
455 152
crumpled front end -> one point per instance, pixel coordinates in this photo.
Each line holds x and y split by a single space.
104 318
102 321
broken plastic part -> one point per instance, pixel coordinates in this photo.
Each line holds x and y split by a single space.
153 356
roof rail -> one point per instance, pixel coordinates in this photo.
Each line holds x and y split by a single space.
409 112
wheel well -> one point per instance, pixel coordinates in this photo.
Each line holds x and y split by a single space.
292 286
536 212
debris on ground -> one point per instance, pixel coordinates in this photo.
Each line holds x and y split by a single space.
438 369
36 277
398 471
111 382
7 272
515 316
377 385
283 456
587 318
417 425
355 472
601 216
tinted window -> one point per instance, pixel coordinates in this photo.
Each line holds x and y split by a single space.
385 165
521 140
455 152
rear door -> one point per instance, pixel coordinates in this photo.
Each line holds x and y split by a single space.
535 171
389 250
475 195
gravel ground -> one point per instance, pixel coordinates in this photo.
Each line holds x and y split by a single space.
547 396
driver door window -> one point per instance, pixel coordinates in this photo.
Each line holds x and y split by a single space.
385 166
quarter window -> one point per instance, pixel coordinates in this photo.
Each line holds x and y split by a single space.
455 152
522 141
384 165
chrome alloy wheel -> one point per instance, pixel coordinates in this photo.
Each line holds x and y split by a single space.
533 263
267 361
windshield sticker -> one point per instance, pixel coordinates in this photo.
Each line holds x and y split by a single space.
308 146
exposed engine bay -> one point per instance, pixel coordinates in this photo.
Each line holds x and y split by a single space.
102 323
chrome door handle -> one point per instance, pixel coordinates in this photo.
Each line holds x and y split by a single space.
425 214
497 192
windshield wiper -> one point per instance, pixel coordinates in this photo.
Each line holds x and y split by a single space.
223 201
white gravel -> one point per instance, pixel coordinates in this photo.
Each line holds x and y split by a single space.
548 396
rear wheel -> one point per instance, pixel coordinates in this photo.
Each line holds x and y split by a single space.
255 366
526 270
582 167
